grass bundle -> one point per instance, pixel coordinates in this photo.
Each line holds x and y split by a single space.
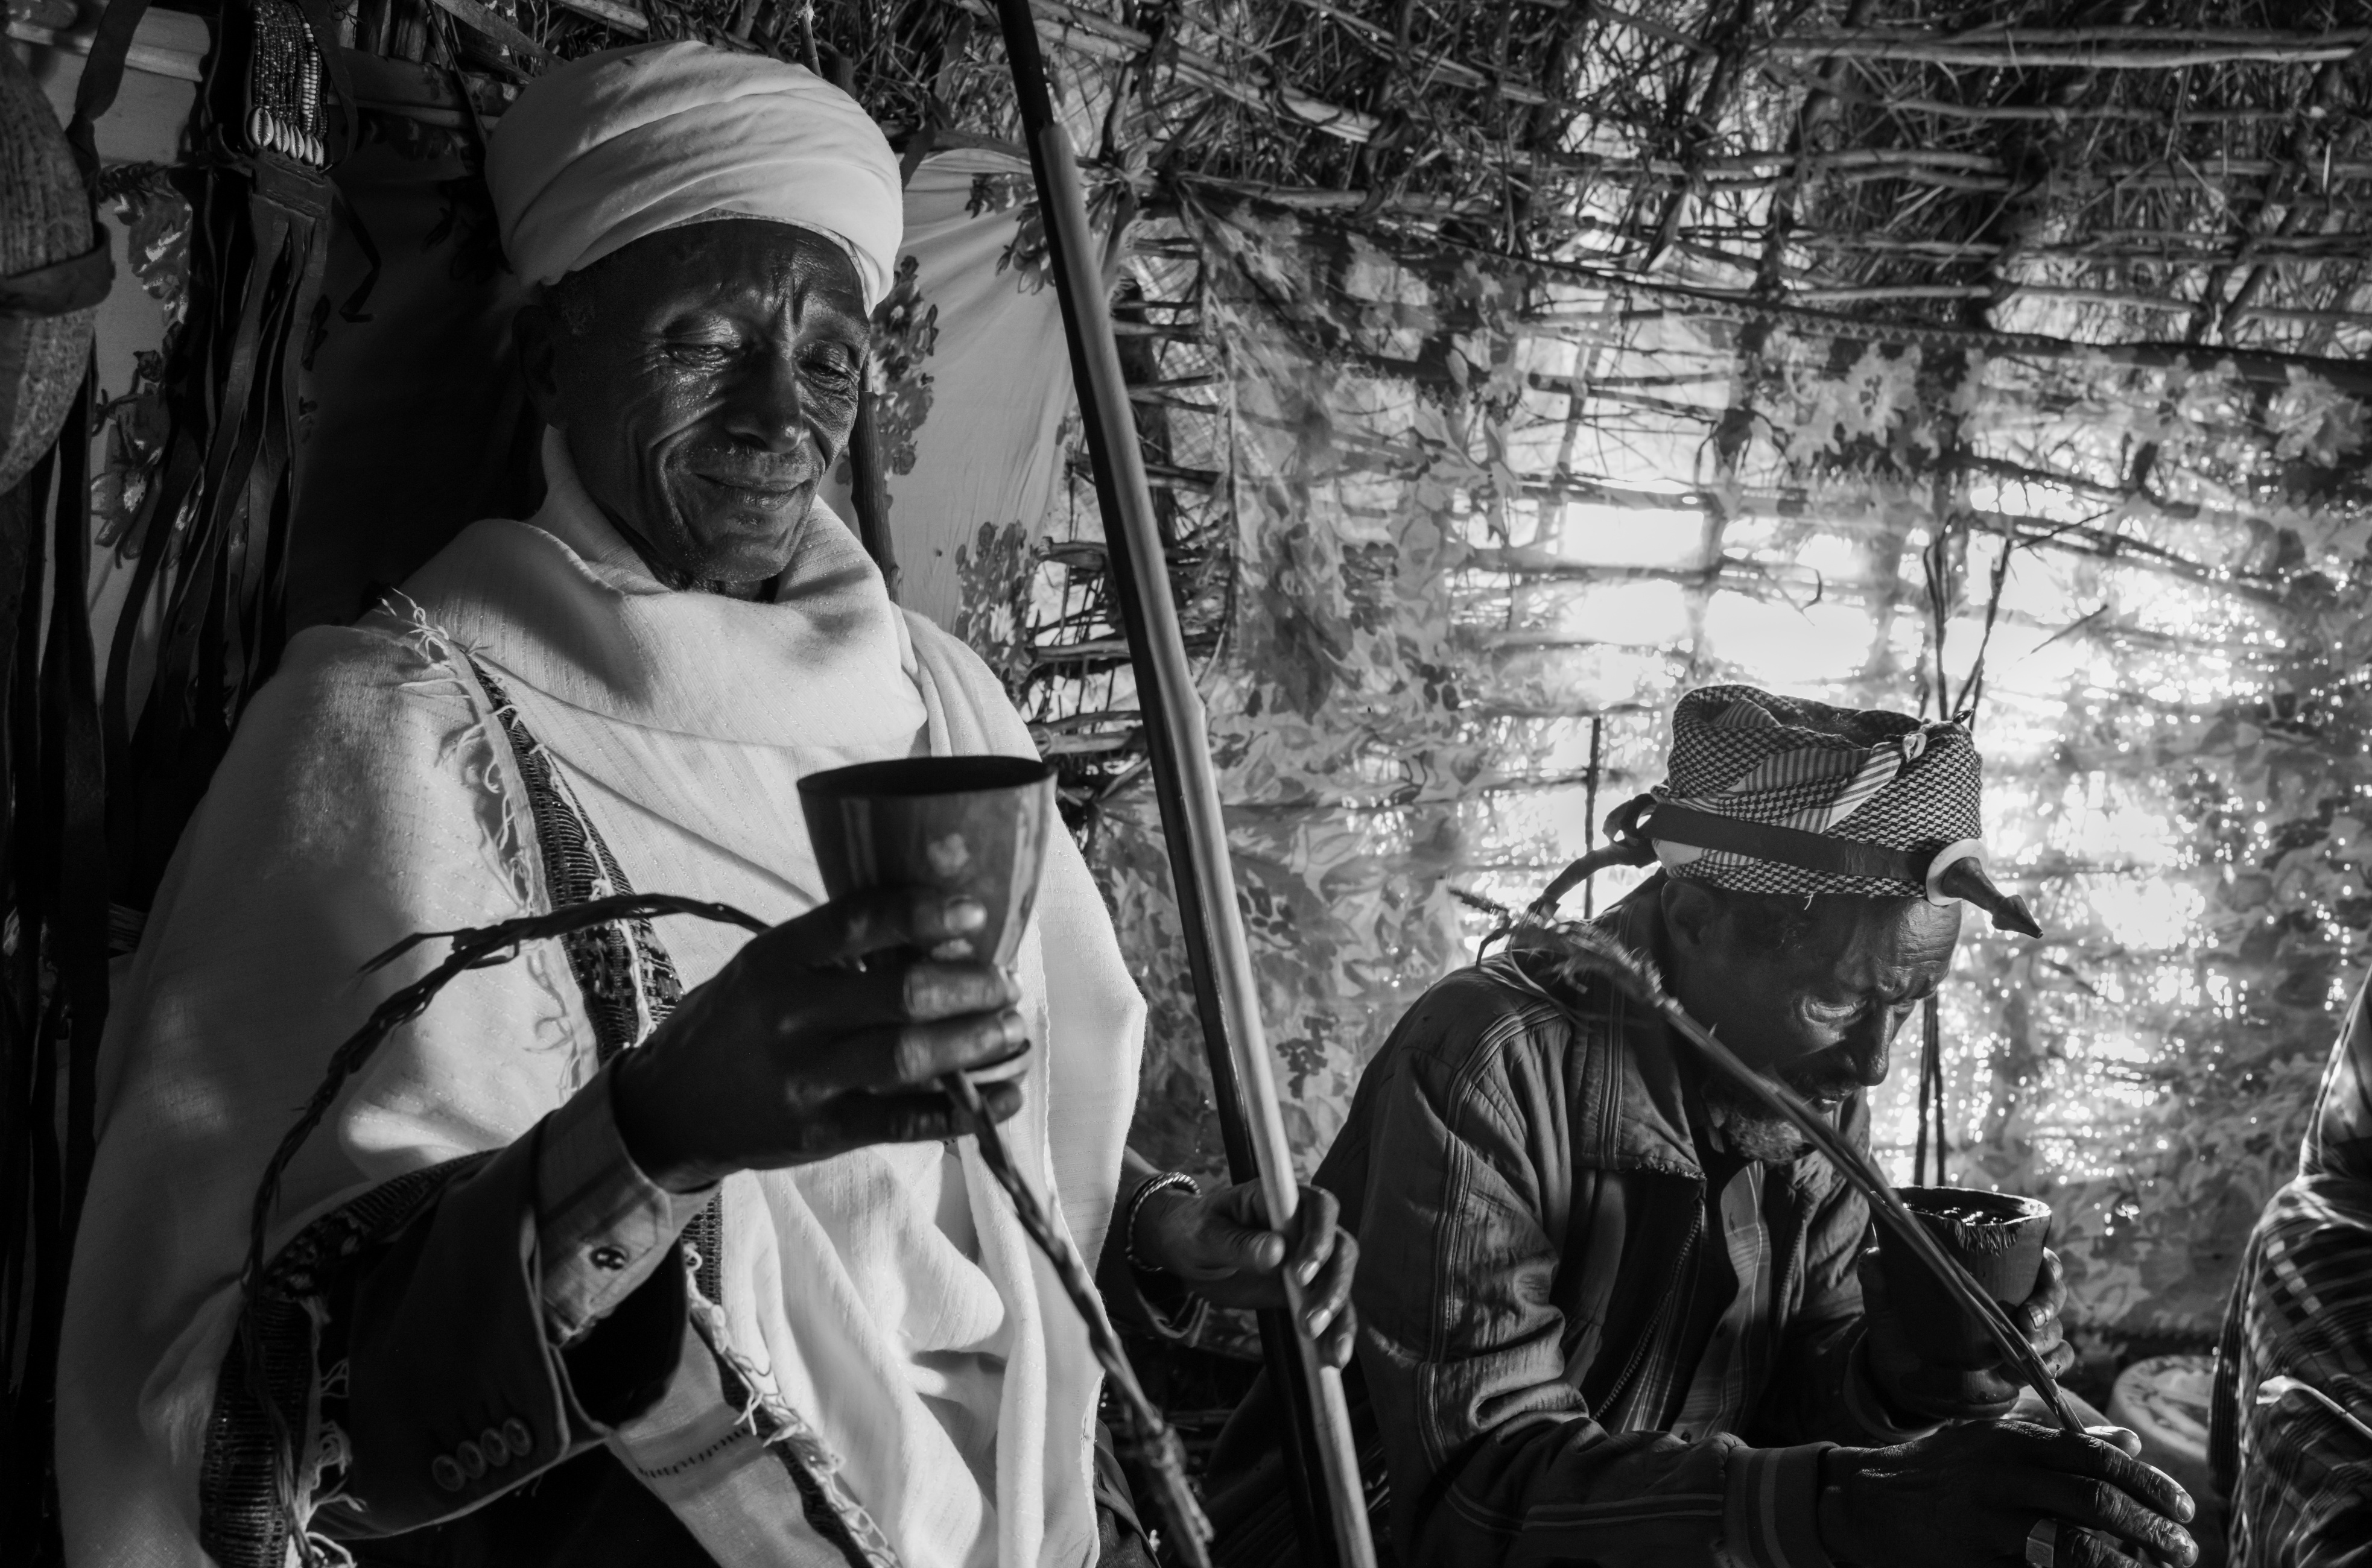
1581 952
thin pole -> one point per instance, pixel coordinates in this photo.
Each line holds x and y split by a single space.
1186 783
1589 810
1919 1150
1931 1094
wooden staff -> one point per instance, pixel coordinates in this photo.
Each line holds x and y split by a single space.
1187 788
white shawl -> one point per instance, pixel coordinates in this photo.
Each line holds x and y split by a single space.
366 797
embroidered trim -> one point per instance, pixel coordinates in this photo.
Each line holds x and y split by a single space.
243 1520
629 982
693 1462
831 1509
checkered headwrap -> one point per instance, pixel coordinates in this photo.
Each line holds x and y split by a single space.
1857 776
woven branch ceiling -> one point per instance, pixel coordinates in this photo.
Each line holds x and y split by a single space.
2102 171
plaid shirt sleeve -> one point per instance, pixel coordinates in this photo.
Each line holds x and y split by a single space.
602 1227
1493 1459
2300 1478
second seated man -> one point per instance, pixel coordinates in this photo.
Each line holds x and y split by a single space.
1609 1312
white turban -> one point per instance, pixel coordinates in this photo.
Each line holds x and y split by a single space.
630 141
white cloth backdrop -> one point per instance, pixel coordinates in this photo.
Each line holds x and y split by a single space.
990 448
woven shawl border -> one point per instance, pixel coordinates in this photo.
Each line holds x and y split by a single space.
622 967
298 1311
242 1522
578 867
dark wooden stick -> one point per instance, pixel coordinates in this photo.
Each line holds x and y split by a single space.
1186 785
1144 1435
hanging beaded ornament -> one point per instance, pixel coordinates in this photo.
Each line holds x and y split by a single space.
284 88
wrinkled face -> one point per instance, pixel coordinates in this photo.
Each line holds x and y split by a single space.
707 379
1820 1012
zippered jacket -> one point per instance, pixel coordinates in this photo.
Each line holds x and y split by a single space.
1527 1189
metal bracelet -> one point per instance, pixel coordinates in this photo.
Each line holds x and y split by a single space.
1146 1188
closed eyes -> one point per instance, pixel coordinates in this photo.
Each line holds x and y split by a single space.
836 363
1841 1013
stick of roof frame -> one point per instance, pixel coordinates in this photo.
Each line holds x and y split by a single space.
1187 788
1585 951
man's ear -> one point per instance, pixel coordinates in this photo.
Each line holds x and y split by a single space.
535 331
1691 913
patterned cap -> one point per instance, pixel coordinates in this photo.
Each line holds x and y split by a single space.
1775 795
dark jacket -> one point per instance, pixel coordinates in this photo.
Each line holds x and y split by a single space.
1530 1201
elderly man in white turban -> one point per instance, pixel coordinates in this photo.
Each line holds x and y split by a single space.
637 1249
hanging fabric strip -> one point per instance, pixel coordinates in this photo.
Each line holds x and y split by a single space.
73 803
213 533
32 1289
53 1001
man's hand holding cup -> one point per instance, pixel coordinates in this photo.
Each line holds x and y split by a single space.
792 1054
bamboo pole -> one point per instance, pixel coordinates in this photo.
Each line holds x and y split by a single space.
2172 246
1187 788
2072 114
2082 36
1746 174
1872 293
1324 199
2101 49
2267 315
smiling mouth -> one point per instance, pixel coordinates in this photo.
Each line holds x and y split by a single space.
765 487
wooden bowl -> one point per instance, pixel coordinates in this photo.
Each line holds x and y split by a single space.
1997 1237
